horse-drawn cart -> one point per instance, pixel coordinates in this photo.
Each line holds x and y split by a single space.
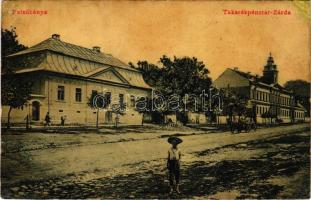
241 124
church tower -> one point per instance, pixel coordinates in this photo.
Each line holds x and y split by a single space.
270 72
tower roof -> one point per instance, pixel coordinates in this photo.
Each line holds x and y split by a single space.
270 66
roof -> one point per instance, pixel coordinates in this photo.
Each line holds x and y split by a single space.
300 107
258 79
57 56
244 74
62 47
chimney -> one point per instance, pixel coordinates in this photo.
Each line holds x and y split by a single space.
56 36
97 49
235 68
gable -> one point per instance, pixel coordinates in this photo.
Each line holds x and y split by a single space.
109 75
232 79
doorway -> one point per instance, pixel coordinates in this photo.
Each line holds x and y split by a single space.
35 111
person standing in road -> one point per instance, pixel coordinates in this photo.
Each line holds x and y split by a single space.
62 120
173 163
47 119
27 118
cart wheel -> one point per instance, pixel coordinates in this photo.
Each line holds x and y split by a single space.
232 129
248 129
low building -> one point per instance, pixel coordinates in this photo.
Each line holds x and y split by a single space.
267 97
65 76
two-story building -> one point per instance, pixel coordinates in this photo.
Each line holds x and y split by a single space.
65 75
267 97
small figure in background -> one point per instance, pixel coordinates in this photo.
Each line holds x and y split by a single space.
27 118
62 120
117 120
173 163
170 122
47 119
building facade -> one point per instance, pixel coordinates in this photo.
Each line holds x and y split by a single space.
267 97
66 75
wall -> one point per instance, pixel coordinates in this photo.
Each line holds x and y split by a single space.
77 112
230 79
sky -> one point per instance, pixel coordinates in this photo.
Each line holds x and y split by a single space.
146 30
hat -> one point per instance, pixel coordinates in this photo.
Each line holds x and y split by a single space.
175 140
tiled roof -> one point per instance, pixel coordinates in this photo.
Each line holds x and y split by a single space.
62 47
258 79
299 106
62 57
244 74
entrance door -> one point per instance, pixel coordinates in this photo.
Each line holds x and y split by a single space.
35 111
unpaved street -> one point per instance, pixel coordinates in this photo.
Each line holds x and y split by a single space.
268 163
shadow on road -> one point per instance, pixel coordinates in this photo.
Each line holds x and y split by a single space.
284 157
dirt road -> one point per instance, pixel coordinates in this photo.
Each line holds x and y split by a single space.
261 164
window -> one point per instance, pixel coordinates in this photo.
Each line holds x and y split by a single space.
78 95
108 97
61 93
132 101
121 99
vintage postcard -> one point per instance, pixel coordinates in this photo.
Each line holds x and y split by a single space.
155 99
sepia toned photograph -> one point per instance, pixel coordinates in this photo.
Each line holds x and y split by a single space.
155 99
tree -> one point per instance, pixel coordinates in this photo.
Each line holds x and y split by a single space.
144 106
15 90
236 104
9 45
301 90
118 109
97 102
150 72
177 77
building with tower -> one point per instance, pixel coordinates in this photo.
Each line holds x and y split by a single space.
270 101
270 72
